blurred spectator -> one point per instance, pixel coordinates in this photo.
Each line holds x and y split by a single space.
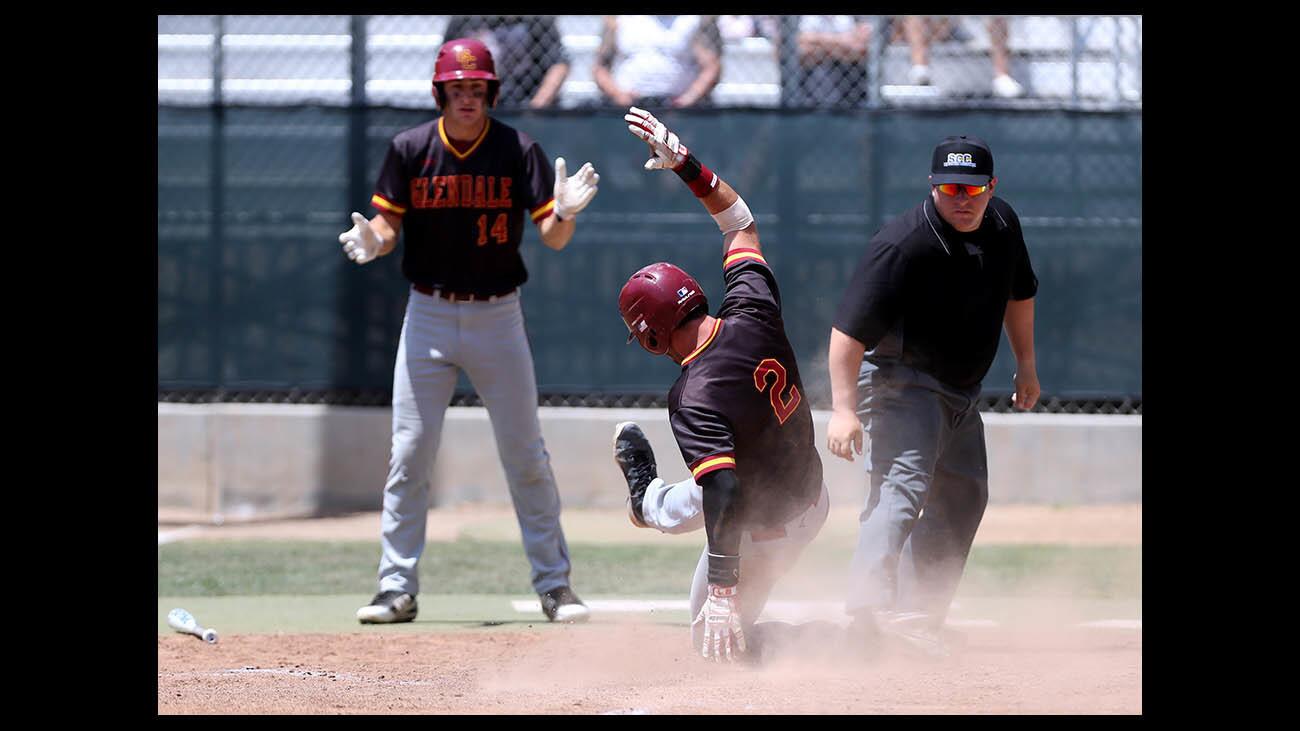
921 32
657 61
736 27
530 56
832 61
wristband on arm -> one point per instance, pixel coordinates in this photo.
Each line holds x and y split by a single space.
698 178
735 218
724 570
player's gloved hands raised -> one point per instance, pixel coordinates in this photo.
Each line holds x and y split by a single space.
724 640
360 242
572 194
668 152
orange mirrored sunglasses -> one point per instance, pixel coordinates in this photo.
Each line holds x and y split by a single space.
971 190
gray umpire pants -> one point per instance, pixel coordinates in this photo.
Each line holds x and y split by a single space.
486 340
764 558
928 471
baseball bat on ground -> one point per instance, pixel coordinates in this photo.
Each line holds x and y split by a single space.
182 621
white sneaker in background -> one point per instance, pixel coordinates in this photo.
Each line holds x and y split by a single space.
919 75
1006 87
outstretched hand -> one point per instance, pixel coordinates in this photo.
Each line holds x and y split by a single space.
360 242
572 194
667 151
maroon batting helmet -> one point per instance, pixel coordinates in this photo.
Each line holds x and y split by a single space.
657 299
465 58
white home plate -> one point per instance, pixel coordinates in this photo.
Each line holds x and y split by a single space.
612 605
1114 624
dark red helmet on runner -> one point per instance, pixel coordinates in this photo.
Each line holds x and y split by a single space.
655 301
465 58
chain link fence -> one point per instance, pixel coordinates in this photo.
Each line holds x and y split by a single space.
996 403
574 61
265 143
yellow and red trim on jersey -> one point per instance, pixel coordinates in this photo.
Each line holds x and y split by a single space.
717 325
382 203
544 210
705 465
735 256
487 124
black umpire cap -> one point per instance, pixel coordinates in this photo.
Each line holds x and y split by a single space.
963 159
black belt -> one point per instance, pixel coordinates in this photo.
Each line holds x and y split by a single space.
460 296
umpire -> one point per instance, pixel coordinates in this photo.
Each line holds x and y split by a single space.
914 336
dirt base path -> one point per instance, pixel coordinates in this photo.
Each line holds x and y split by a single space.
639 669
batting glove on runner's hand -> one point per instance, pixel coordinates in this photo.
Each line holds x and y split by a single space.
724 639
360 243
669 152
572 194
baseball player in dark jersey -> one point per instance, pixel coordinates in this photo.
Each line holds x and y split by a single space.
737 410
463 186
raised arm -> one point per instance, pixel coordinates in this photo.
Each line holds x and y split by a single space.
721 201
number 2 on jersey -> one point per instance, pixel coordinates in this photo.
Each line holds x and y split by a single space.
773 366
500 232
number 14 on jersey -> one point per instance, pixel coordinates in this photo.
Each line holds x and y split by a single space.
499 229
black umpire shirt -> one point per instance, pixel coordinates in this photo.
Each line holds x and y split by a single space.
933 297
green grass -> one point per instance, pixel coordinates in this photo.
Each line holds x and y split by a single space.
317 568
464 567
1102 572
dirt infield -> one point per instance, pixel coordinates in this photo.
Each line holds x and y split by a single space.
638 669
621 665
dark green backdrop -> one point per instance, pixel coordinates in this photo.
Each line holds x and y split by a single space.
254 293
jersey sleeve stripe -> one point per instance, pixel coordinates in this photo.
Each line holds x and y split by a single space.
717 462
544 210
379 201
738 255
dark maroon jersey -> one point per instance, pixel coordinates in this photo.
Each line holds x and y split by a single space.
463 211
739 403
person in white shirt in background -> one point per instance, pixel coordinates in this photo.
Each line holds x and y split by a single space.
658 60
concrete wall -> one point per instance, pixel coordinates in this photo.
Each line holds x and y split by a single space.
254 461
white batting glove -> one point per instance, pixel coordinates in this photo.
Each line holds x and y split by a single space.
572 194
360 242
724 640
668 152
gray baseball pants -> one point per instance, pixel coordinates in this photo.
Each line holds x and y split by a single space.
486 340
679 508
925 458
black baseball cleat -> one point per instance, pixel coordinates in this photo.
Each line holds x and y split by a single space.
562 605
920 635
636 458
389 607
